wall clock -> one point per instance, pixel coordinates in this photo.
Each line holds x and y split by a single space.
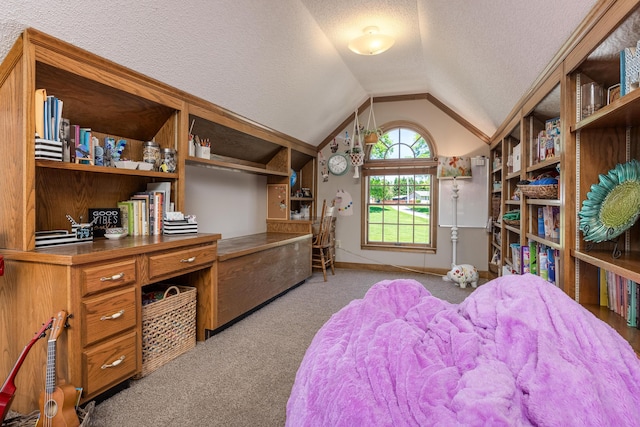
338 164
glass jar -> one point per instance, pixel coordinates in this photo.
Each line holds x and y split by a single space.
168 156
151 153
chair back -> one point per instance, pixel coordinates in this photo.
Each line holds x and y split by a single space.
324 231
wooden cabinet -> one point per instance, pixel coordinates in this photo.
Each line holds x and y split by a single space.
255 269
495 209
599 142
530 149
98 282
100 285
97 94
505 181
592 143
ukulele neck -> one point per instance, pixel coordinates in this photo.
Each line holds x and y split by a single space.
50 381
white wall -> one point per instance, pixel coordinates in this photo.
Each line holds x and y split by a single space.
226 202
450 139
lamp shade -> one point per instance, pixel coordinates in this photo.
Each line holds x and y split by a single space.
454 167
371 42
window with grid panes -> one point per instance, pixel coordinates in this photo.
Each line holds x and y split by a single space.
399 190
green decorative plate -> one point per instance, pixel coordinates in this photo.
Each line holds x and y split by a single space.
613 205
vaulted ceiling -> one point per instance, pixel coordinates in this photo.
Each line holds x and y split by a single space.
285 63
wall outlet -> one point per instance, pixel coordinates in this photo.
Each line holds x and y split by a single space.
338 244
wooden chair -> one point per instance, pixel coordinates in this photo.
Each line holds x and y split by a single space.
321 248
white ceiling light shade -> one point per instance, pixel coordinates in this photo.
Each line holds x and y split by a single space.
371 42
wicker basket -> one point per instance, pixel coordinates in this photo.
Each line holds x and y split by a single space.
512 222
168 328
549 191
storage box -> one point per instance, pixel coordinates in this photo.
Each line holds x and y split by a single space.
168 325
517 157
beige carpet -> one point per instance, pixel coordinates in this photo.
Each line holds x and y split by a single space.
243 375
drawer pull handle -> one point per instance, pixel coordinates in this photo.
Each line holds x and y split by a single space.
188 260
113 316
114 277
113 364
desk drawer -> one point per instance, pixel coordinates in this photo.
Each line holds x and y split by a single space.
172 262
106 276
109 363
108 314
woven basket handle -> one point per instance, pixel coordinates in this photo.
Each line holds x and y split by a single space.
170 288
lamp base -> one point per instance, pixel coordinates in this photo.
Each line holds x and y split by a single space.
462 275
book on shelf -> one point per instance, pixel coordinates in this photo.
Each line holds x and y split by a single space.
143 213
65 139
525 259
551 222
533 258
83 143
543 261
620 295
40 96
515 257
126 215
165 188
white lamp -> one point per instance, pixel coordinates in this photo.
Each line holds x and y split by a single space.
454 168
371 42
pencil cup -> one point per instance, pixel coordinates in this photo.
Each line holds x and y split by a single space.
203 152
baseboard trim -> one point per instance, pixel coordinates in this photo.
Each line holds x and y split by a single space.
394 268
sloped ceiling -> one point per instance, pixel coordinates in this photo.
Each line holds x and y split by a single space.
285 63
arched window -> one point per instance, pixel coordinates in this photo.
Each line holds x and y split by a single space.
399 189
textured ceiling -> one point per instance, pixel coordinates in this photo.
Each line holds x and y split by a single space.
285 63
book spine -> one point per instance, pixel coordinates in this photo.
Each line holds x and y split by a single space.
40 96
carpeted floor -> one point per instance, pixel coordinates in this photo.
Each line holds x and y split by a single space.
243 375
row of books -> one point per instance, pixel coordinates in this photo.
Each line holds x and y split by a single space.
48 115
73 141
534 258
621 295
143 213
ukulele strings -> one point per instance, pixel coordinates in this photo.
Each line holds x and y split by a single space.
48 390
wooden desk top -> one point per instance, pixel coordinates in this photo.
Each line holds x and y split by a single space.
245 245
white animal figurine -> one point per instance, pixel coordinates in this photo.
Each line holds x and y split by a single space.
462 275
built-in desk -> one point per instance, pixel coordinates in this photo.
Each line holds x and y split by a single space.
99 285
254 269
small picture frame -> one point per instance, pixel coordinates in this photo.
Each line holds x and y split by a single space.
306 192
103 218
613 93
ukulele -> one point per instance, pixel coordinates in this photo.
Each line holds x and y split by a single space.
8 389
57 402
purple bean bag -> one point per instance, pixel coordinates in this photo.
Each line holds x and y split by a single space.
518 351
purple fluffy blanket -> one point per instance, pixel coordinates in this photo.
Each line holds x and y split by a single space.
517 351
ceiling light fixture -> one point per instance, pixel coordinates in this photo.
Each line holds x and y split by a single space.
371 42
